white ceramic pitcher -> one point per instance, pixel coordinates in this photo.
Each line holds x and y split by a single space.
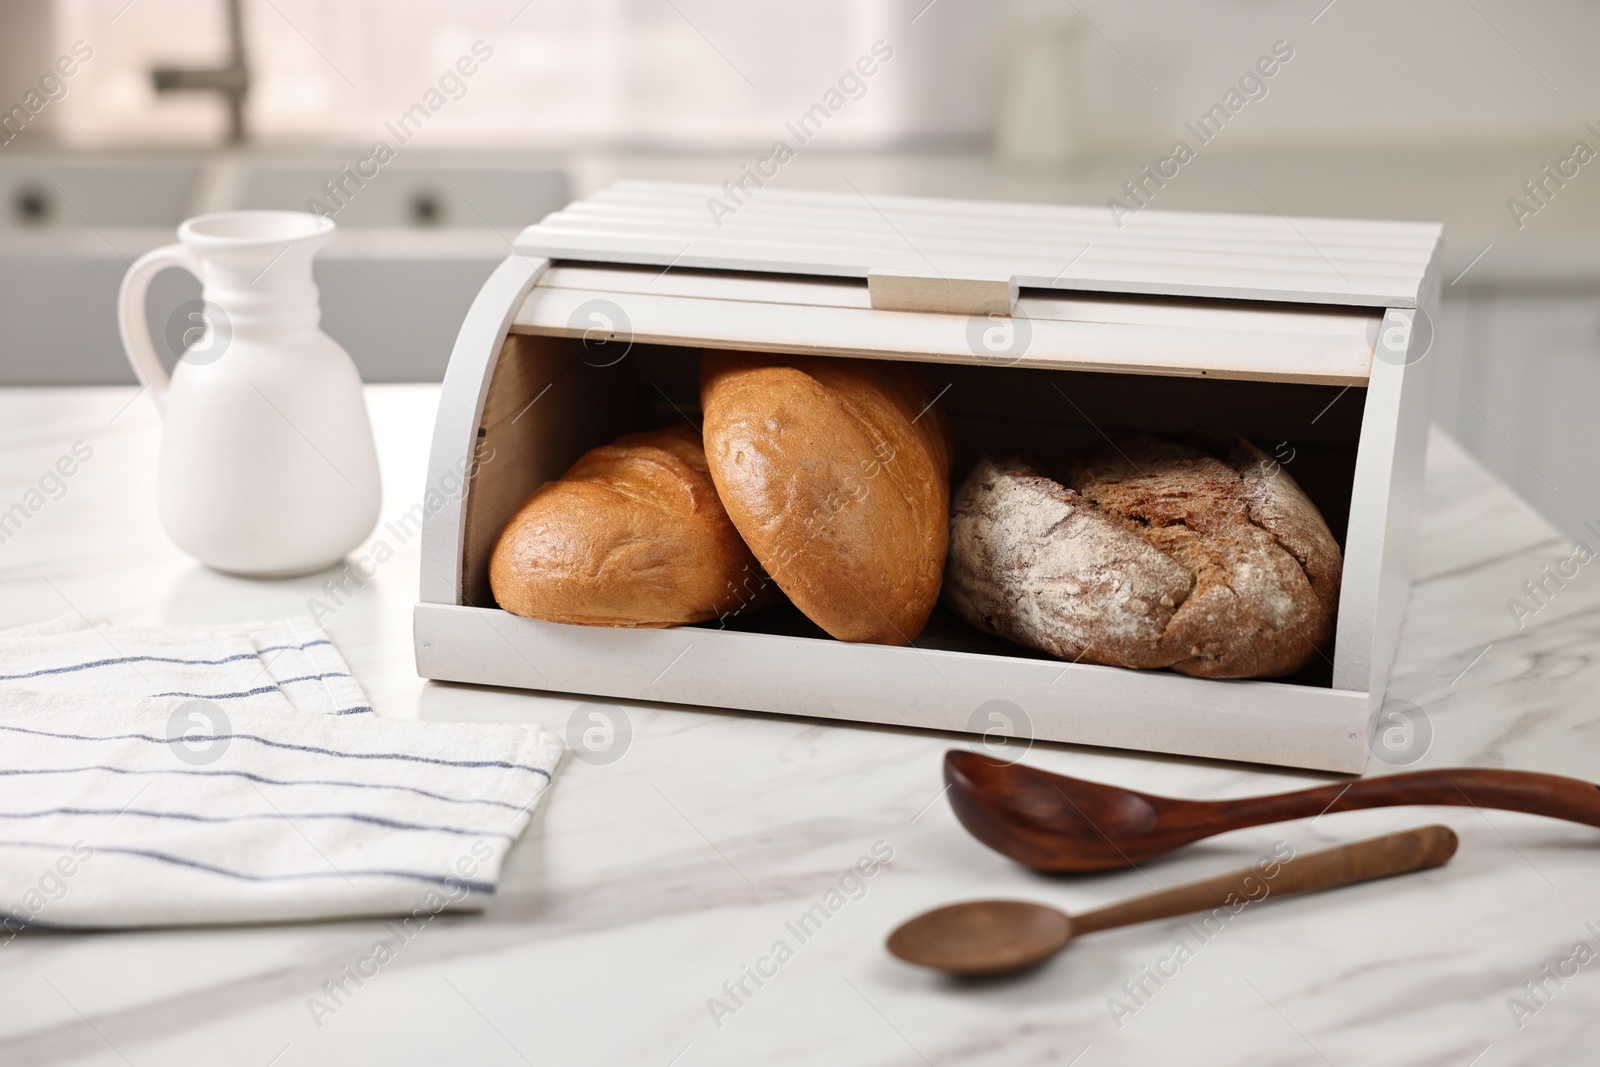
267 463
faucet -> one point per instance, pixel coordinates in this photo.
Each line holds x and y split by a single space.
232 79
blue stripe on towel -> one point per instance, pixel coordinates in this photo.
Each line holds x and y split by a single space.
257 691
70 668
261 690
286 648
187 816
364 709
405 756
314 677
448 881
264 780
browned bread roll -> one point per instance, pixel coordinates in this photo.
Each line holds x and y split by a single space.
632 535
1202 556
836 472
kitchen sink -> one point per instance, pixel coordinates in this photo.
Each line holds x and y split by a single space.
50 193
416 242
410 196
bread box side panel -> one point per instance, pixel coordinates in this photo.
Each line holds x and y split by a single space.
1385 506
1257 722
461 401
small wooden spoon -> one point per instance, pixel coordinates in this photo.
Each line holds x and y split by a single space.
1054 823
982 937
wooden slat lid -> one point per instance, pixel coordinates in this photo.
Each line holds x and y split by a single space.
1047 330
1170 253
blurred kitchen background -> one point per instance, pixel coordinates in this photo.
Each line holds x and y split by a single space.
1430 109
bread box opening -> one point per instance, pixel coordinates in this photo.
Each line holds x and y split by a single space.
566 382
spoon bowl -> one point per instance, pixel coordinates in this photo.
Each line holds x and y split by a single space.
1051 822
982 937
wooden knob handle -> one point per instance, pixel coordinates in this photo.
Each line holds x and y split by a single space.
1379 857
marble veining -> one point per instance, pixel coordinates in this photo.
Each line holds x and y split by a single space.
645 884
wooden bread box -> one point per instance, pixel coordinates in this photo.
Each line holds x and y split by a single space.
1042 327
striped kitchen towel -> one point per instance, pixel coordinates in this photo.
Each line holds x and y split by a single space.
175 776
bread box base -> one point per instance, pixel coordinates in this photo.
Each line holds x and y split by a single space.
1258 722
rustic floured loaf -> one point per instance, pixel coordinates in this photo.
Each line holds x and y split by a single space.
1201 556
836 473
632 535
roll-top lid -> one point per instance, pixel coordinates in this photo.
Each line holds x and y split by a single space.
854 235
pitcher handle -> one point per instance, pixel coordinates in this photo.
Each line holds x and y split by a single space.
135 325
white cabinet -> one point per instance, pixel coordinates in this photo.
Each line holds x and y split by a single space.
1519 385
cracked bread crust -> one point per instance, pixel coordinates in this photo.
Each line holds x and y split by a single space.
1201 556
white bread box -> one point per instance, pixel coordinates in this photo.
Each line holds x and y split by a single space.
1043 326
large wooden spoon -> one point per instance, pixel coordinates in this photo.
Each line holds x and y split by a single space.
1054 823
982 937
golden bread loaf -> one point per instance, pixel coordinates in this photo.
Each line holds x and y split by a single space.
836 473
632 535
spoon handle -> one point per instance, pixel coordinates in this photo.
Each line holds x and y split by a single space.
1379 857
1527 791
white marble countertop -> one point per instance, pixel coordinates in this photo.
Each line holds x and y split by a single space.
646 883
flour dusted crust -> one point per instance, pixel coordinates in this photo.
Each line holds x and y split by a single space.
1202 556
836 473
632 535
1032 561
